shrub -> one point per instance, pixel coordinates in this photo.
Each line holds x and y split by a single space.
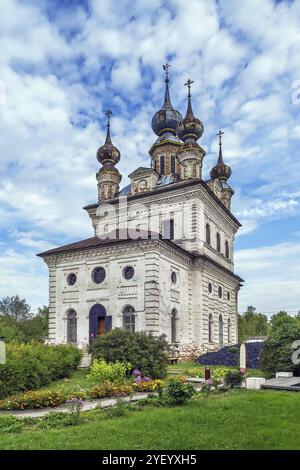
11 424
108 389
148 385
177 393
37 399
114 372
30 366
277 354
143 351
234 378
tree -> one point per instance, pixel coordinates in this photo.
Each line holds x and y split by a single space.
252 324
36 327
15 308
277 353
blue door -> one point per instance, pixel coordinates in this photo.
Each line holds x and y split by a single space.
99 322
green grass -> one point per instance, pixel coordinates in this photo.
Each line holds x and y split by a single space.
235 420
76 381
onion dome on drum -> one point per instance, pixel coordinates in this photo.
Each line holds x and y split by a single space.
108 154
190 128
220 170
167 118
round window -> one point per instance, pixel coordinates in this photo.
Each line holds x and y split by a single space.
174 277
220 292
98 275
210 287
71 279
128 272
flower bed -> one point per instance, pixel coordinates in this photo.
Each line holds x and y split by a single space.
37 399
110 390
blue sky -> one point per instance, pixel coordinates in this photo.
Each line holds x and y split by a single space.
63 63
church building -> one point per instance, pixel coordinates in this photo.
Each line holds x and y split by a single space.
161 256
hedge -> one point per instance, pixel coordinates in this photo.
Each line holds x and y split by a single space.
29 366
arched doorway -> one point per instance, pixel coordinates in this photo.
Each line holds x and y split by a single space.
99 322
221 327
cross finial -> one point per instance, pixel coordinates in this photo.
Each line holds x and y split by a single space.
166 69
220 133
108 114
188 84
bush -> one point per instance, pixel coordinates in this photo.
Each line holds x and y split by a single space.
234 378
144 352
10 424
177 392
108 389
148 385
277 353
37 399
29 366
114 372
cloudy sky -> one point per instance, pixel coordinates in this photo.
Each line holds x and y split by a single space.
63 63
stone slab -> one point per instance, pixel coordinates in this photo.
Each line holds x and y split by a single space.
254 383
284 374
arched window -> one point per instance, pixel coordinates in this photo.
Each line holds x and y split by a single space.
208 234
220 330
218 242
174 326
71 326
210 328
162 164
129 318
227 249
229 330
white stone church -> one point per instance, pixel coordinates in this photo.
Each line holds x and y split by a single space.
161 258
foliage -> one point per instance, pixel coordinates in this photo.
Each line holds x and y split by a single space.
252 323
15 308
29 366
10 424
234 378
25 328
108 389
177 393
37 399
143 351
114 372
277 353
148 385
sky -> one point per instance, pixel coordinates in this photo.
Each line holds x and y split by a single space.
64 63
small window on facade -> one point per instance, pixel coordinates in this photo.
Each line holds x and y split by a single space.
227 249
210 287
173 277
71 279
221 330
218 242
228 296
173 166
208 234
162 164
71 327
210 328
98 275
168 229
229 330
174 326
129 318
128 272
220 292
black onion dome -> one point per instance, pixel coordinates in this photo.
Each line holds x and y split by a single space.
167 118
190 127
220 170
108 154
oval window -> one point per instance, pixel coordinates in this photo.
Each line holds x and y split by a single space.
174 277
98 275
220 292
228 296
210 287
128 272
71 279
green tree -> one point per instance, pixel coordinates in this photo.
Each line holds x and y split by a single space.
15 308
36 327
252 324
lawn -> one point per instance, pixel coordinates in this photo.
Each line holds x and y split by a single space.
235 420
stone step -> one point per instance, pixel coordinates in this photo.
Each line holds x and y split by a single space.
85 361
